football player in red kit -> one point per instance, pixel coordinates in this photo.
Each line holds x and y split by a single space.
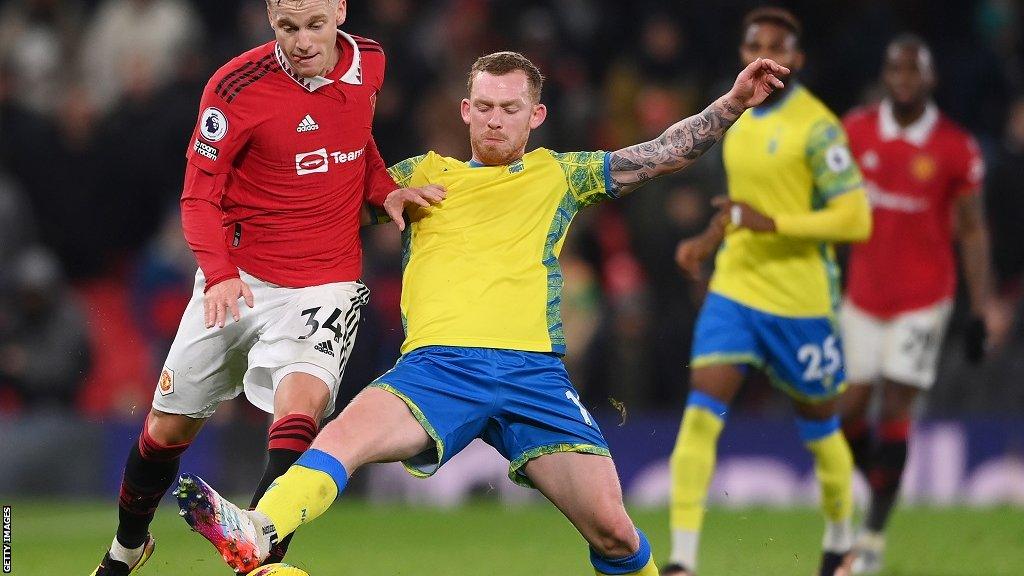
924 176
279 167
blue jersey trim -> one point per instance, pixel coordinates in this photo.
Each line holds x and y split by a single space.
609 184
563 215
628 565
322 461
811 430
709 403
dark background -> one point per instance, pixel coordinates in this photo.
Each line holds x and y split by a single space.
97 101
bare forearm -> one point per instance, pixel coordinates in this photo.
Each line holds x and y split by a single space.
678 147
974 252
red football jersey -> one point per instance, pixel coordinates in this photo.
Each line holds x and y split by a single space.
279 167
914 176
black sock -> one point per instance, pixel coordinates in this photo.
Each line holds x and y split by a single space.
148 473
887 473
858 436
277 464
289 437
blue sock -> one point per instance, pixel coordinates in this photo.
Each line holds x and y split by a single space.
319 460
627 565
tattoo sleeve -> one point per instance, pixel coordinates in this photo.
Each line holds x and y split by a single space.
675 149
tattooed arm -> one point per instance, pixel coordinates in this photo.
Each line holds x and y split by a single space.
688 139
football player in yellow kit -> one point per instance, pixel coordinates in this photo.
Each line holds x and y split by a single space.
480 301
793 191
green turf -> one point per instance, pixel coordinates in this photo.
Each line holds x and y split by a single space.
490 539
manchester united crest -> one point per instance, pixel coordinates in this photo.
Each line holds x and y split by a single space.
923 167
166 385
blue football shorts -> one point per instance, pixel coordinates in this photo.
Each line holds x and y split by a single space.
521 403
801 356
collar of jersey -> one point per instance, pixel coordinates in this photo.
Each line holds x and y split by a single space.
759 111
917 133
354 75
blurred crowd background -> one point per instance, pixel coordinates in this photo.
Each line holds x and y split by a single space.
98 99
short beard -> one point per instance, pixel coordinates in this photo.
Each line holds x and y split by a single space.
494 157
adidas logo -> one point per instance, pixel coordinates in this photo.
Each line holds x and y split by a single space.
307 125
326 347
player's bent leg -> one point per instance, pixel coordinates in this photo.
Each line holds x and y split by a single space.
377 426
149 471
299 404
585 488
692 463
819 429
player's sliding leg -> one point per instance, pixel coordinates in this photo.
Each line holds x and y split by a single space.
885 473
833 465
585 487
376 427
693 460
299 404
149 472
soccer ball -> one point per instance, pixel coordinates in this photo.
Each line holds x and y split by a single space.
278 570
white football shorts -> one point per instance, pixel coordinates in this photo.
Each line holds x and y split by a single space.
309 330
904 349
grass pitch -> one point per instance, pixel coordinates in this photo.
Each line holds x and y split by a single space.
490 539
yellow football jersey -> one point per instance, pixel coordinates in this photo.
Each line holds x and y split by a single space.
790 158
480 268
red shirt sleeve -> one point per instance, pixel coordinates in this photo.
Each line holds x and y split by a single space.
221 131
970 169
202 222
377 183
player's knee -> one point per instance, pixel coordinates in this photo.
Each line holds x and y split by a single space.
616 537
171 429
345 441
854 403
301 393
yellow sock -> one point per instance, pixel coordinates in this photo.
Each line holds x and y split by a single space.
833 465
304 492
692 464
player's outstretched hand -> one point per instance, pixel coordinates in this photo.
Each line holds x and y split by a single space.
396 201
223 297
757 81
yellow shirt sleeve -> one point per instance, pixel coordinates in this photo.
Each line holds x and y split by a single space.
403 171
843 213
846 218
587 175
